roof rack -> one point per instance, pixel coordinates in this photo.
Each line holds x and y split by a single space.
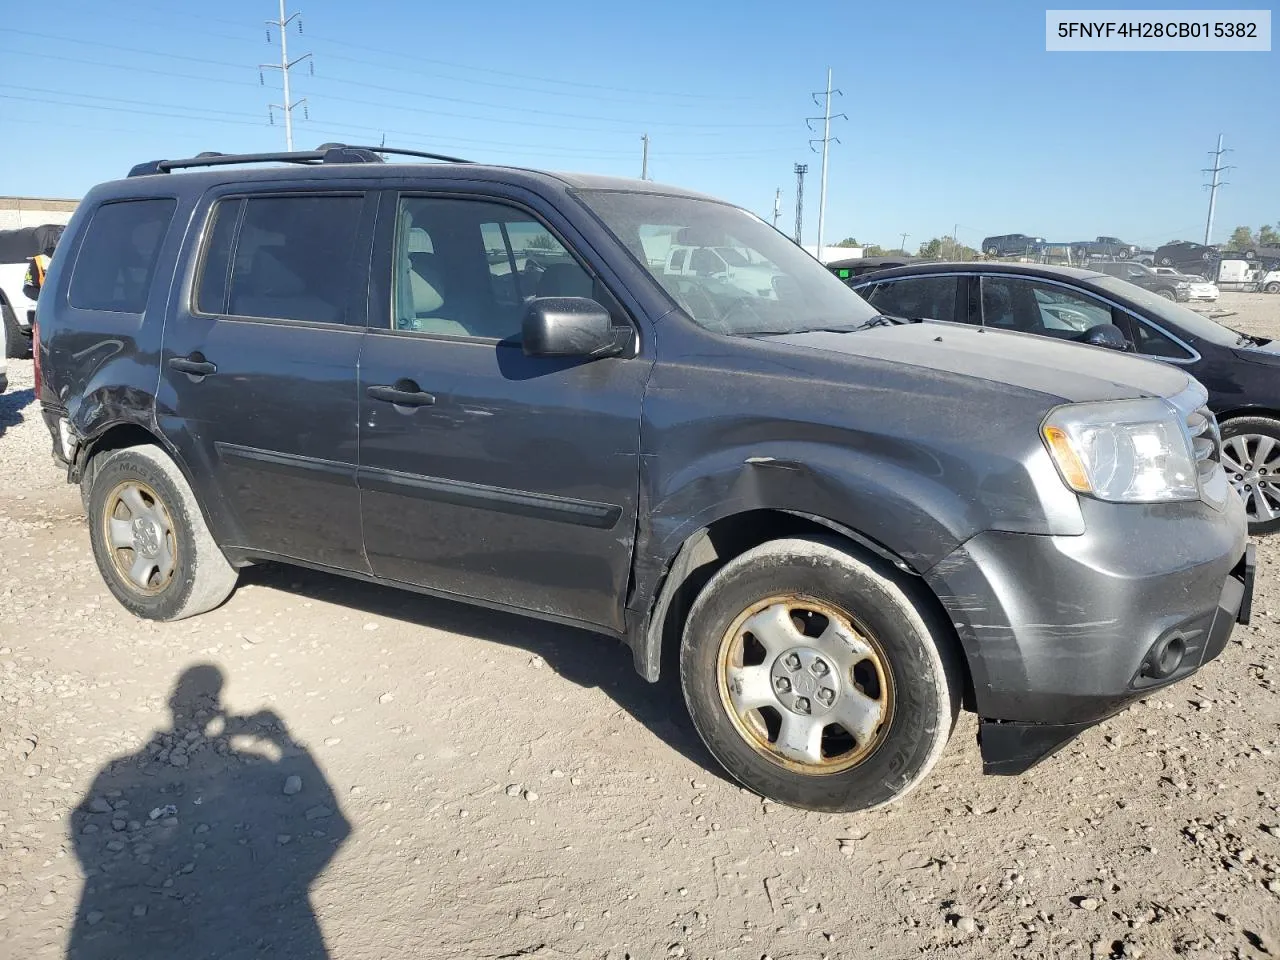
325 153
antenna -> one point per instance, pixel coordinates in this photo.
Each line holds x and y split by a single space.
284 66
826 140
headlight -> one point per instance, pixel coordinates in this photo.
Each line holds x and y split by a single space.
1128 451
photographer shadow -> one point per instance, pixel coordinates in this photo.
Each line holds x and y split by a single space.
205 842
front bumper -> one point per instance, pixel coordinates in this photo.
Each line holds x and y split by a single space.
1062 632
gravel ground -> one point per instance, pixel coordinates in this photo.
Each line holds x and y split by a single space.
349 771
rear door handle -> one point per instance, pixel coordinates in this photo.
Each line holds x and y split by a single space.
404 393
195 365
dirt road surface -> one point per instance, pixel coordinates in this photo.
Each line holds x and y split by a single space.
349 771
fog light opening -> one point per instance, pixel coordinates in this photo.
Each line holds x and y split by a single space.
1164 658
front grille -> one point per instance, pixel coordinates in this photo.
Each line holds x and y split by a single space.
1206 441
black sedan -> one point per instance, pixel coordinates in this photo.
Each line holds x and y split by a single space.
1240 371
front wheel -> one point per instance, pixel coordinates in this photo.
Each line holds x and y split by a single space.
149 538
1168 294
817 679
1251 457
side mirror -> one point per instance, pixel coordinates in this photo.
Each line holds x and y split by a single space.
1106 335
570 327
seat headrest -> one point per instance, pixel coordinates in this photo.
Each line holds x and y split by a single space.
564 280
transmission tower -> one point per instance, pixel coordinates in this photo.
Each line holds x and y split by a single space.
284 66
826 140
777 206
1214 184
801 169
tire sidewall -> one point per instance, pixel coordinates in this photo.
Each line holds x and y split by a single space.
923 711
118 467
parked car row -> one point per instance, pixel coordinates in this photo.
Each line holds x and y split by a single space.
835 527
1192 259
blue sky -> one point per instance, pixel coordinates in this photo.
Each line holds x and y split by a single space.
956 114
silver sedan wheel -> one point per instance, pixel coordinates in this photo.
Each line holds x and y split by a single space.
805 686
137 527
1252 462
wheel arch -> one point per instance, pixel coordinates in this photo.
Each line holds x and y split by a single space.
1236 413
122 434
654 636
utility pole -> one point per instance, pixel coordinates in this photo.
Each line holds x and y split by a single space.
644 157
284 66
801 169
1213 185
903 248
777 206
825 103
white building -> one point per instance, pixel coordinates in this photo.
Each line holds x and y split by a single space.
19 212
832 253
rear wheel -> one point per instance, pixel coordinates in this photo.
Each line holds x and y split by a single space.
816 679
1251 457
149 537
1272 287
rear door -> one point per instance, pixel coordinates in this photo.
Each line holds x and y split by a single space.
485 473
259 366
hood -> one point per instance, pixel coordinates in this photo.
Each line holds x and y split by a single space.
1074 373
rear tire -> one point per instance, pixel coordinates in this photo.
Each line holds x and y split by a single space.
149 538
1272 287
17 342
860 642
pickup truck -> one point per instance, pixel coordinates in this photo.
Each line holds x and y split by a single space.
17 310
1104 247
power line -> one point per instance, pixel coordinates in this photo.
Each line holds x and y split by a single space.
800 170
383 88
826 142
1213 185
285 65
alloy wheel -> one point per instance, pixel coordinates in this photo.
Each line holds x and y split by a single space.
1252 462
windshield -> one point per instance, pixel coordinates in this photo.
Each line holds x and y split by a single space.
785 291
1182 318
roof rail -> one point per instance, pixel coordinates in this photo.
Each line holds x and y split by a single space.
325 153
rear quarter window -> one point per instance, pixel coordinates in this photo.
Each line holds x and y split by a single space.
117 257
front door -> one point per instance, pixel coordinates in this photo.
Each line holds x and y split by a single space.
258 385
485 473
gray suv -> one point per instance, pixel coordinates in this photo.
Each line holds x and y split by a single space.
487 384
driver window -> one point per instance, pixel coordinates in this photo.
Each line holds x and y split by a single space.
466 268
1027 306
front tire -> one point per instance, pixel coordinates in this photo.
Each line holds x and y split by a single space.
816 679
1168 294
149 538
1251 457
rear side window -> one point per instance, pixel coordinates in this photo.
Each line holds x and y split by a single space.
280 258
933 298
118 255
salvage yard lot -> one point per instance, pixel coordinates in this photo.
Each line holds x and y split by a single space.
473 784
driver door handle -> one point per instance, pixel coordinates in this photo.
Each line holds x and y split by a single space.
195 365
402 394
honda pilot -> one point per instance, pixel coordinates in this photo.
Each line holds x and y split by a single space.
488 384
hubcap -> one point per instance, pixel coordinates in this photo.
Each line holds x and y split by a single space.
1252 461
805 685
140 536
